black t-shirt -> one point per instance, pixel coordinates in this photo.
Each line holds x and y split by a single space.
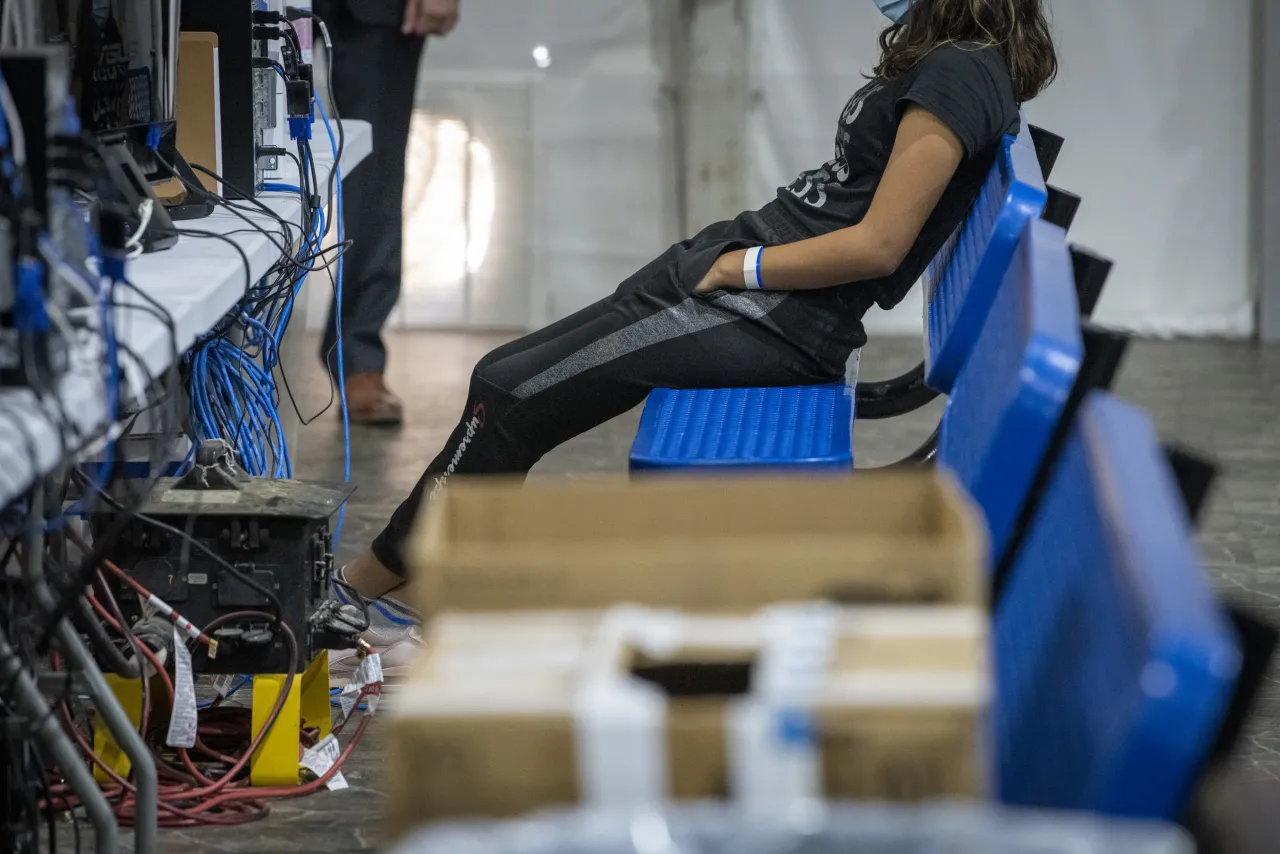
965 86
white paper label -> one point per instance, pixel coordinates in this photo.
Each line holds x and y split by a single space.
367 678
319 759
182 724
222 684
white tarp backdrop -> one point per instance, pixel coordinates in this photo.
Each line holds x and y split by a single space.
580 152
1155 101
587 180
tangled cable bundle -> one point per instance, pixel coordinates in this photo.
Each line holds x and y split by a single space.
232 377
209 783
234 394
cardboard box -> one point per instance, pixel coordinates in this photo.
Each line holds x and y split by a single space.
508 713
707 543
199 135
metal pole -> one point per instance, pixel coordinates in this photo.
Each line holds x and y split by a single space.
125 734
1267 47
714 101
115 717
26 697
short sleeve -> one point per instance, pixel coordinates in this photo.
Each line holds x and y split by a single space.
969 90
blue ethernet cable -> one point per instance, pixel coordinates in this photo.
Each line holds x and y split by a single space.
342 379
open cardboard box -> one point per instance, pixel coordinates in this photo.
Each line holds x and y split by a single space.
712 543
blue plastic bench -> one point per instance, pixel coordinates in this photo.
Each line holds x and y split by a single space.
1114 662
1011 393
810 428
962 282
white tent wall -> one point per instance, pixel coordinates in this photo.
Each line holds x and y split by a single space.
1156 102
584 192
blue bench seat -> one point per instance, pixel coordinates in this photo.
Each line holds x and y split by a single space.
806 427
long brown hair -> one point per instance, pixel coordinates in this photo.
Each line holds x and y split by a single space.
1019 28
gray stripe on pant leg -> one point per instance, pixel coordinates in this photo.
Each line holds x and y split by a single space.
686 318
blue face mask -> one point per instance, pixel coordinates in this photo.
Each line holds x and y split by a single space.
895 10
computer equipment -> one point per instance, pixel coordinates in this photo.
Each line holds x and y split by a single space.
248 86
124 85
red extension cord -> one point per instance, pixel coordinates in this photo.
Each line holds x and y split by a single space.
220 794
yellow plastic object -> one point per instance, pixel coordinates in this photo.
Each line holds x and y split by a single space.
316 706
129 694
275 762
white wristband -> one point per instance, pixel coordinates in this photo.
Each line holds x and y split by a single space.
751 269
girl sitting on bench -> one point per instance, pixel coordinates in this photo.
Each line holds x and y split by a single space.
775 297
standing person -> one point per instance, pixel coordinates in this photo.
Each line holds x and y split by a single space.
775 297
377 45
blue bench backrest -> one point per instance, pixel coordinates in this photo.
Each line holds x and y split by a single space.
961 283
1114 662
1011 393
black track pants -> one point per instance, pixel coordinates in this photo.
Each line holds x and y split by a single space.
535 393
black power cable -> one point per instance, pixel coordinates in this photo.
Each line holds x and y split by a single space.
286 256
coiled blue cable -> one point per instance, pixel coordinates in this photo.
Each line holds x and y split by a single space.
234 395
233 390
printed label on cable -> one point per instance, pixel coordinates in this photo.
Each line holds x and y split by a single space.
222 684
182 723
372 667
367 679
319 759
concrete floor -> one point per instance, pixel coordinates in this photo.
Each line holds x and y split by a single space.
1218 397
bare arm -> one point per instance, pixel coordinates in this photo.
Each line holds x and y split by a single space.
925 156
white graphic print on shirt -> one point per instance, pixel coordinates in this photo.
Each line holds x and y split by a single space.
811 187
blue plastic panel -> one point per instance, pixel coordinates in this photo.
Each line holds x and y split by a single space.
1011 393
1114 663
808 427
962 282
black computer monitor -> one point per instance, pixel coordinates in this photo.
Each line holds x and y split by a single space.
125 65
124 84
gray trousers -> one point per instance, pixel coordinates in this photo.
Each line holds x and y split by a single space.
375 73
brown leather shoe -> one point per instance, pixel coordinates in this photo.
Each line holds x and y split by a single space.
371 403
